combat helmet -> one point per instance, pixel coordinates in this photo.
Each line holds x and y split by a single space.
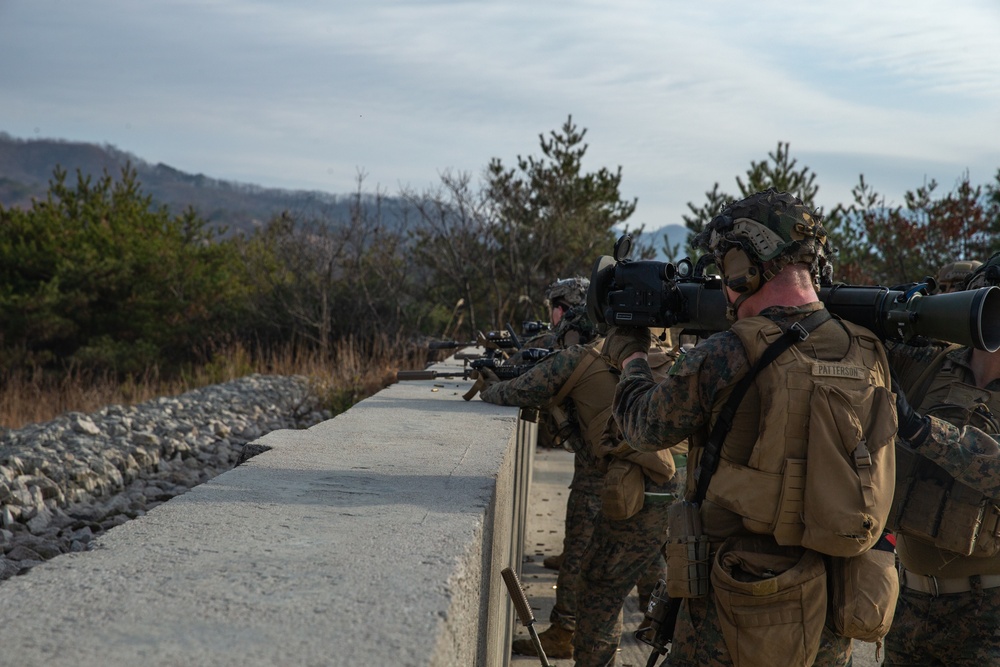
569 292
754 238
953 276
986 274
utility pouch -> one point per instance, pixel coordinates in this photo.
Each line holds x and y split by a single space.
623 493
852 468
961 520
771 601
863 591
686 552
920 512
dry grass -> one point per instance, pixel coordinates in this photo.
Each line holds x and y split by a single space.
349 373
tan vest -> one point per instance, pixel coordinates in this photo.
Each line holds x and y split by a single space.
947 529
761 481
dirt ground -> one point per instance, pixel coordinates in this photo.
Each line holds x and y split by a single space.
553 470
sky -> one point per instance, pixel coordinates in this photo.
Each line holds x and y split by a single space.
308 94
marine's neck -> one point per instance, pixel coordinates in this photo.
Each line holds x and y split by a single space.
985 367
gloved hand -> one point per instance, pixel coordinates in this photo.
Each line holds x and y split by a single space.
623 342
487 378
913 427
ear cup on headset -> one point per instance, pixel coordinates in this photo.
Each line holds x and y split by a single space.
739 272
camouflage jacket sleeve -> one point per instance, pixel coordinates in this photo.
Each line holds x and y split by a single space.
966 453
537 386
655 415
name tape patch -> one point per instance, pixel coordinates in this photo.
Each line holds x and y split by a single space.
840 371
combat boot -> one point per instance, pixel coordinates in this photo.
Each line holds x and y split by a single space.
557 642
554 562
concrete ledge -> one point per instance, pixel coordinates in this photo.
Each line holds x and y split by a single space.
374 538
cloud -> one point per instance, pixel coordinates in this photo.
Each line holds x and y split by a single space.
303 93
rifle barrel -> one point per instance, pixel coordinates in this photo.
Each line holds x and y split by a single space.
402 376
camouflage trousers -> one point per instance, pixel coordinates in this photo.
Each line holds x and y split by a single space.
698 640
582 510
622 555
960 630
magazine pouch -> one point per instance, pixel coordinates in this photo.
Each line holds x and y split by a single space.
962 520
920 508
686 552
771 601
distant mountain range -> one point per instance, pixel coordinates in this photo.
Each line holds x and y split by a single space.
27 166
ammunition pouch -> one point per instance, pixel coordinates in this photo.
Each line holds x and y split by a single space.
686 552
949 515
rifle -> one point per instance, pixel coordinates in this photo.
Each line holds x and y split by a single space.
520 601
491 340
474 366
471 371
662 616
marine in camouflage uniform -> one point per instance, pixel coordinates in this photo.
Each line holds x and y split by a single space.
622 554
588 603
654 415
657 414
590 398
566 299
948 611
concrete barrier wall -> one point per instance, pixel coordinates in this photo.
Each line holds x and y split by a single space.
374 538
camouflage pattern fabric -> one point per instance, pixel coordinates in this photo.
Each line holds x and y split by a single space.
620 554
652 575
958 630
582 510
572 291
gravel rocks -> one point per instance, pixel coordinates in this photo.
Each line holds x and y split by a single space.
66 481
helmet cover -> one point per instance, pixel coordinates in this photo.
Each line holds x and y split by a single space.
570 291
953 276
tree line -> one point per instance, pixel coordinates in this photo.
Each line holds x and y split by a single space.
95 276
